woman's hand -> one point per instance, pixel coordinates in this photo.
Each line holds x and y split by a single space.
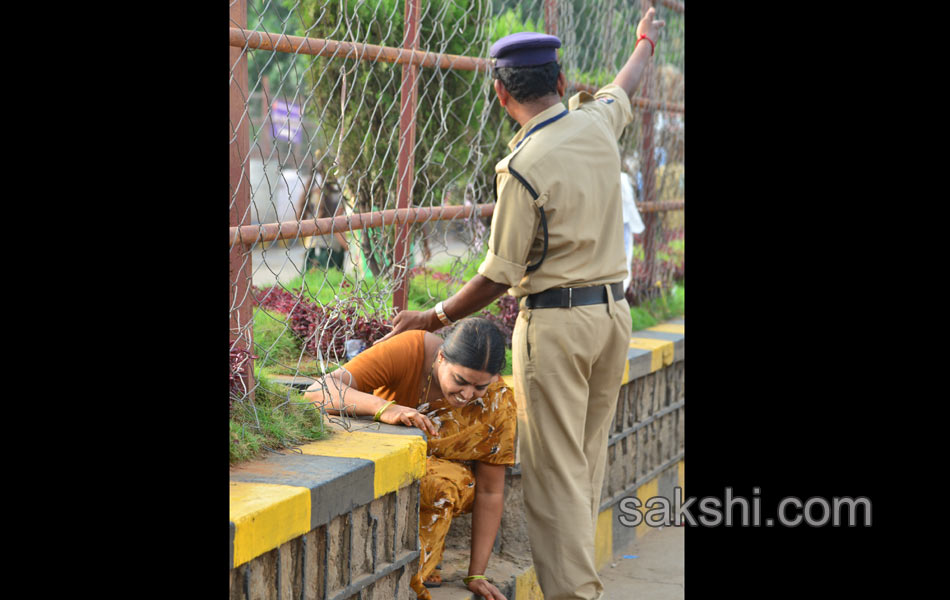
486 589
410 417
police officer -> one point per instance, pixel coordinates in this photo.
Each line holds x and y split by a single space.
556 244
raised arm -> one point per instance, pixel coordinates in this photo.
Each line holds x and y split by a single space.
630 74
339 396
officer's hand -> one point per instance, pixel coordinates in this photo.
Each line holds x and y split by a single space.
410 417
649 26
411 319
485 589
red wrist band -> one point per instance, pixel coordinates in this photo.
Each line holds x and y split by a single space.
644 37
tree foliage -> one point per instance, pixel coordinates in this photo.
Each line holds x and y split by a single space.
358 104
460 131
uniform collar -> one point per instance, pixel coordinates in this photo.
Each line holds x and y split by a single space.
549 112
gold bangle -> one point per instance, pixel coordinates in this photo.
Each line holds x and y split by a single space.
472 578
380 411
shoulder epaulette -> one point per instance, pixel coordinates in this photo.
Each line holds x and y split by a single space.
534 196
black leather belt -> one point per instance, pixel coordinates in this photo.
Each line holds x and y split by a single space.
568 297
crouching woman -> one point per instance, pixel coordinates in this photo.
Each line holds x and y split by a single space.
453 391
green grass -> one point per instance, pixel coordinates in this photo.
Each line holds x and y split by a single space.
278 418
425 292
668 306
332 287
279 351
274 342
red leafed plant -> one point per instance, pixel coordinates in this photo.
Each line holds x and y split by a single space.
505 319
323 331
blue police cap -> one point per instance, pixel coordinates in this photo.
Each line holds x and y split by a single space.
525 49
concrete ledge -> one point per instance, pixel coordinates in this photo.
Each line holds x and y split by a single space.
612 533
279 498
668 332
264 516
283 497
397 459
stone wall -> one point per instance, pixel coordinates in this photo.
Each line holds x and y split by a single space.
339 521
368 553
361 539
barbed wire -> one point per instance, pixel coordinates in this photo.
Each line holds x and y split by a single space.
330 123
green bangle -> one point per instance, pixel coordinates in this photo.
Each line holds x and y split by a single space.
472 578
380 411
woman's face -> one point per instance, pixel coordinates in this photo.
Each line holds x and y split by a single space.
460 385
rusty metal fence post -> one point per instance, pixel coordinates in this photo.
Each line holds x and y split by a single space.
245 232
648 169
240 259
550 17
407 142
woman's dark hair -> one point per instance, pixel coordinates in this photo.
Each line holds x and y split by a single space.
529 83
476 343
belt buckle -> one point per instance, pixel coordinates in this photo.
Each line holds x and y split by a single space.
570 297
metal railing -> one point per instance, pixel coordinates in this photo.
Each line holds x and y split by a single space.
416 60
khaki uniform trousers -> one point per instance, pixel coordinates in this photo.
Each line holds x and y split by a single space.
567 365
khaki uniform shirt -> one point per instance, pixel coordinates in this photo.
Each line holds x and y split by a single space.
574 166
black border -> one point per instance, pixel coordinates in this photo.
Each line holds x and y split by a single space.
792 385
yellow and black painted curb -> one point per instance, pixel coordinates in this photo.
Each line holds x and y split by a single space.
650 350
275 500
285 496
611 534
654 348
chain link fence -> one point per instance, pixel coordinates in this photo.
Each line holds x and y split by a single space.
364 135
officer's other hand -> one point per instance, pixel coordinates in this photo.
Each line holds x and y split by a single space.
406 320
484 589
649 26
